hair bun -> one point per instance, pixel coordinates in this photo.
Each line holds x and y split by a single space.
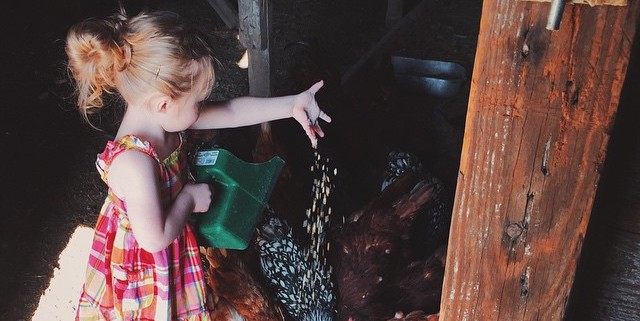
96 54
122 50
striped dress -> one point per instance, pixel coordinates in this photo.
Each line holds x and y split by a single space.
125 282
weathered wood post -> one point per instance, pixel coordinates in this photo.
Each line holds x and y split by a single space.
607 284
541 107
255 25
255 16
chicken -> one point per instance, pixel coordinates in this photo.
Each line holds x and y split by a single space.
430 228
299 274
267 147
372 249
416 316
223 311
289 196
301 284
398 163
236 291
391 252
419 285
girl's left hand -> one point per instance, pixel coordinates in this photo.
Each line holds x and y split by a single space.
307 112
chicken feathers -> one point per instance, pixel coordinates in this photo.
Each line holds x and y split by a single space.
430 229
303 287
372 248
390 253
234 285
419 286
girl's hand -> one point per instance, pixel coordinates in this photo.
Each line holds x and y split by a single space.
201 195
307 112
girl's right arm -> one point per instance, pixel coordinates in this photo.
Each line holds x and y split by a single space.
243 111
134 177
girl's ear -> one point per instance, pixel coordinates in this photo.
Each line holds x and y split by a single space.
160 103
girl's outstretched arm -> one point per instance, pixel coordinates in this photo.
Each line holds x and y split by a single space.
134 177
244 111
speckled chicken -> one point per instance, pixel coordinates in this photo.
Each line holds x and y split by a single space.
300 282
430 228
237 293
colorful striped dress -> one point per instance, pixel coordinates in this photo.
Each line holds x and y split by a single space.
125 282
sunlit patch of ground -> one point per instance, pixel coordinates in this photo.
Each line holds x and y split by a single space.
60 300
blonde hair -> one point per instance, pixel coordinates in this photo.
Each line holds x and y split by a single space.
134 56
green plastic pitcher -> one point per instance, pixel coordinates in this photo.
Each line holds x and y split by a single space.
241 191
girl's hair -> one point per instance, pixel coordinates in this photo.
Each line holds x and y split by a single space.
134 56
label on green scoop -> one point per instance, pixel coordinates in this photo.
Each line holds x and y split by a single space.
207 157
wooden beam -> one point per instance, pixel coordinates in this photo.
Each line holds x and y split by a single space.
259 72
541 108
607 284
255 16
592 3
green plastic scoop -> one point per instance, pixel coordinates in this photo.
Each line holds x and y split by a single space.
241 191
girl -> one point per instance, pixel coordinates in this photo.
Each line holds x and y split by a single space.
144 262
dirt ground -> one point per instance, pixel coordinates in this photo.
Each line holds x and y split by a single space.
47 163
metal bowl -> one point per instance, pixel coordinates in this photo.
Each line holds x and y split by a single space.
430 77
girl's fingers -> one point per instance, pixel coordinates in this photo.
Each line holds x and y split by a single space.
324 117
312 127
314 89
321 115
313 130
311 134
318 130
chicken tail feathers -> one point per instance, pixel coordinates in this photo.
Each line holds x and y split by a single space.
398 163
273 229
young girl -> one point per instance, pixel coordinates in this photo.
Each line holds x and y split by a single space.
144 262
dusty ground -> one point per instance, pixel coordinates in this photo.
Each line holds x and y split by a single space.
50 183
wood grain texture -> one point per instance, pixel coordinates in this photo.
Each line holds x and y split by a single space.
254 16
607 283
259 72
255 28
592 3
541 108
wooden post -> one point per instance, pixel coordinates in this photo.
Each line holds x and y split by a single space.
607 284
254 35
541 107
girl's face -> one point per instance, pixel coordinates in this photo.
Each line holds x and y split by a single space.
184 111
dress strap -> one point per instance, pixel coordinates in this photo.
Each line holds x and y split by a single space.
115 148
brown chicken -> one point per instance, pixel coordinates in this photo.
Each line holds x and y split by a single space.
420 284
266 147
236 290
223 311
290 195
371 249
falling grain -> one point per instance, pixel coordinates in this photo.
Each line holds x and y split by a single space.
317 224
